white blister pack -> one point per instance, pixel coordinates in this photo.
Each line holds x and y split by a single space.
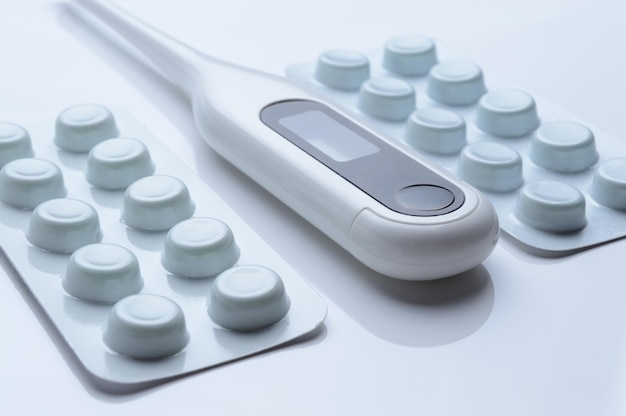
558 185
143 269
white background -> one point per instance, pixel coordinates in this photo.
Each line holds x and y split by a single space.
522 335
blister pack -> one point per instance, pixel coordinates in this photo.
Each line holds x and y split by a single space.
558 185
143 269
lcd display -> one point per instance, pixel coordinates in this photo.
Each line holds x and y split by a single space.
328 135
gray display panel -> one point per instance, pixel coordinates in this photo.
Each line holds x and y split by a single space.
383 172
328 135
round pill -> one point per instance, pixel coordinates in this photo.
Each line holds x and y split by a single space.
116 163
199 247
102 273
436 130
63 225
15 143
551 206
491 167
247 298
146 327
456 83
387 98
26 183
81 127
563 146
507 113
609 184
342 69
156 203
409 55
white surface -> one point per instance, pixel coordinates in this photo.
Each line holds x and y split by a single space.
522 335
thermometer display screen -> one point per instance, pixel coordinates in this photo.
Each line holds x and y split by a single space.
367 161
328 135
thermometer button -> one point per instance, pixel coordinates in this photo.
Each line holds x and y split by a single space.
425 197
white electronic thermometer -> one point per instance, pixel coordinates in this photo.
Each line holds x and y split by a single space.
393 211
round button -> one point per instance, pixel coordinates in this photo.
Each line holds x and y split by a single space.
387 98
116 163
342 69
551 206
26 183
425 197
564 146
15 143
102 273
609 184
436 130
409 55
507 113
81 127
63 225
146 327
456 83
199 248
156 203
248 298
491 167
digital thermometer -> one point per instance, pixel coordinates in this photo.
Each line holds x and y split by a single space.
393 211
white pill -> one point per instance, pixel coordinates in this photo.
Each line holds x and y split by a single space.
551 206
156 203
491 167
26 183
63 225
409 55
199 248
248 298
79 128
102 273
342 69
436 130
563 146
507 113
387 98
15 143
146 327
609 184
116 163
456 83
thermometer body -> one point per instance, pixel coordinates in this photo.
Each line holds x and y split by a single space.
393 211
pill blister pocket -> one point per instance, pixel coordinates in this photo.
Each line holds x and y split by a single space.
558 185
103 240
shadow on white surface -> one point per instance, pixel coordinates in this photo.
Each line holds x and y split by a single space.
425 314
